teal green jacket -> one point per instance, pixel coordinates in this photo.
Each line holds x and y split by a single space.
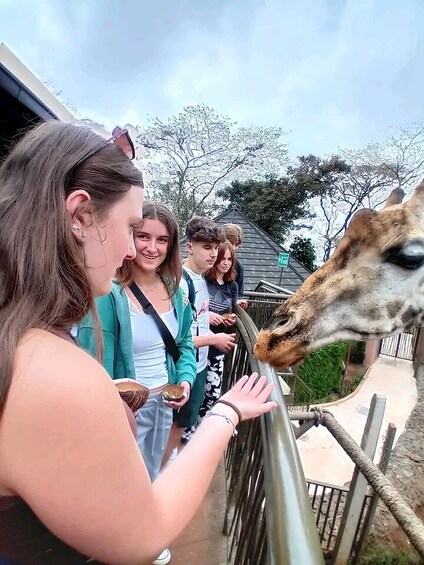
118 356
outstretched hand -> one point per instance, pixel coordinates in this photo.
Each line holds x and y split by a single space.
250 395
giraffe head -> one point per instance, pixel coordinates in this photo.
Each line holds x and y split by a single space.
371 287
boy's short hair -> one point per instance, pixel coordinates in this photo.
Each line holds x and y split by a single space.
204 230
233 233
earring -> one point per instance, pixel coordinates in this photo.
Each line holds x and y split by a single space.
77 229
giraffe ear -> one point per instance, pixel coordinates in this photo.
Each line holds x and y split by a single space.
395 197
419 191
417 199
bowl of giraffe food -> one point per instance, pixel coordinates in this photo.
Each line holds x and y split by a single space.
173 393
134 394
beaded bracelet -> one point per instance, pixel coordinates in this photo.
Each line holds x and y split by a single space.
226 418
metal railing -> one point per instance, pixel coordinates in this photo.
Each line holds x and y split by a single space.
261 305
328 503
265 286
263 301
400 346
269 518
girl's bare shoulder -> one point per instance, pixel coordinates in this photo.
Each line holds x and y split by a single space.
47 366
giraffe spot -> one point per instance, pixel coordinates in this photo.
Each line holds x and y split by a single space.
373 313
349 293
393 308
409 315
345 254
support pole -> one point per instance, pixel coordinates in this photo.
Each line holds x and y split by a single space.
384 463
358 488
406 518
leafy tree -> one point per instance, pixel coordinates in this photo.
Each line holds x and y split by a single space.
272 204
339 186
401 155
191 155
303 250
372 172
277 204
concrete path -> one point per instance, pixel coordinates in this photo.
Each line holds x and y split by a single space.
202 542
322 457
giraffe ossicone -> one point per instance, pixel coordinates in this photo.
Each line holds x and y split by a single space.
371 287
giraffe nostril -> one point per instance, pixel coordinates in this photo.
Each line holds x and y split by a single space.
282 321
276 321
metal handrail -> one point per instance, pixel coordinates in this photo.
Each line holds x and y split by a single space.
272 287
290 523
269 295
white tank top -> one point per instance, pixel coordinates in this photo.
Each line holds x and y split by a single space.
148 346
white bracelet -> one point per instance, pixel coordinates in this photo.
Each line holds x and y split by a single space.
226 418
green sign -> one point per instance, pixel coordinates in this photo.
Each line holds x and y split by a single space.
283 259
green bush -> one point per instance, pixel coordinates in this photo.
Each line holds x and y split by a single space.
386 555
322 369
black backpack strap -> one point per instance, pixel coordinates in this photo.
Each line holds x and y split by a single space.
149 309
191 292
192 300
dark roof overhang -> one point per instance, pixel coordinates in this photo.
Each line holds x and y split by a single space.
21 93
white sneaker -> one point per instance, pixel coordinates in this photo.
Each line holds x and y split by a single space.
164 558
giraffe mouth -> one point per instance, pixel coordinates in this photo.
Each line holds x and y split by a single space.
277 350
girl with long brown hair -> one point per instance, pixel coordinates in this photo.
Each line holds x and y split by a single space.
73 484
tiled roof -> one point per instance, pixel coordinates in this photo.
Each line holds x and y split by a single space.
259 255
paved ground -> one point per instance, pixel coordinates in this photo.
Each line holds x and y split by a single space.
322 458
202 542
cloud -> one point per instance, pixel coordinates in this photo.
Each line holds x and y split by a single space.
334 73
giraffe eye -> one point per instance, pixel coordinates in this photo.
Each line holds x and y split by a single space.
410 256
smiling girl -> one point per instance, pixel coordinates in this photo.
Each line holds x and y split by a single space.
133 344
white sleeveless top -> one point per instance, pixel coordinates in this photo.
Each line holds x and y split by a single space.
148 347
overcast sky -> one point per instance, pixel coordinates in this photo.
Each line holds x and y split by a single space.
330 72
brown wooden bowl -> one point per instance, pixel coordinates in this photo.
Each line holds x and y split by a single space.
134 394
173 393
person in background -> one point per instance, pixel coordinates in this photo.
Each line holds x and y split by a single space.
70 202
223 294
234 234
134 346
203 238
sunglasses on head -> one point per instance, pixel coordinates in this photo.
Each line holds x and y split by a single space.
120 137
